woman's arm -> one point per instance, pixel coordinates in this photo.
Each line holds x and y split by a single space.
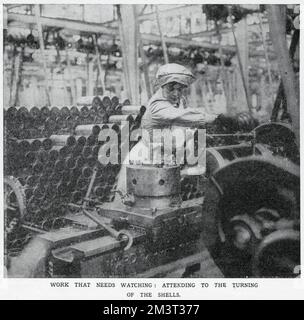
164 112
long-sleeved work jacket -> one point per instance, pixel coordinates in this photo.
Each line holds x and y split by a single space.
161 114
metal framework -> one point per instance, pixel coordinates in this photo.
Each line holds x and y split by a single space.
90 27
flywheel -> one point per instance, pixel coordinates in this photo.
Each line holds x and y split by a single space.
14 209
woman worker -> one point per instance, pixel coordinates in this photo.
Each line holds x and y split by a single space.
167 109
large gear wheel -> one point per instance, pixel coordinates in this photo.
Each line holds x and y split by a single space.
14 205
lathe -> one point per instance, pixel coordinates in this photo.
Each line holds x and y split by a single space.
244 209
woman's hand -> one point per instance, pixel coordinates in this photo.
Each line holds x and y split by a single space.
243 121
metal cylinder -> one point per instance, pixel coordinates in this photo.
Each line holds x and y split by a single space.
99 172
126 102
45 112
97 103
24 146
95 150
62 189
88 129
84 112
43 156
66 176
91 161
48 168
31 180
74 111
86 172
80 161
55 177
50 125
12 145
70 186
153 186
76 197
82 184
119 118
35 112
87 151
217 157
61 123
54 112
38 192
64 152
106 101
70 162
59 165
63 140
22 113
74 174
35 144
28 190
47 144
37 167
81 140
53 154
77 150
43 179
30 157
114 101
92 140
98 192
126 110
92 113
115 127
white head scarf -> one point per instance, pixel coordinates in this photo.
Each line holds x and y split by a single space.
173 72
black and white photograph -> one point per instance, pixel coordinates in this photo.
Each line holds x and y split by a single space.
151 141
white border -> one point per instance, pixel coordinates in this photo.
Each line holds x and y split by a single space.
39 289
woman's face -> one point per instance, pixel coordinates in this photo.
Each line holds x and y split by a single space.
173 91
